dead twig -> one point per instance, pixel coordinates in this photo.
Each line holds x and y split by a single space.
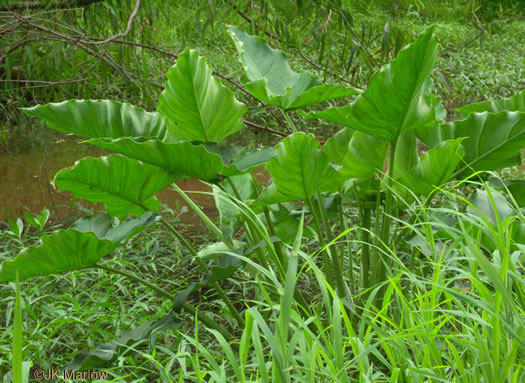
128 27
23 5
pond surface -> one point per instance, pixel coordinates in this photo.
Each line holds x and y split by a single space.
25 185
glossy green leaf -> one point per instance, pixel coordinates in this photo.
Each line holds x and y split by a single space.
494 207
494 141
243 189
434 168
196 104
320 93
224 268
406 154
102 118
105 227
397 98
108 351
515 187
180 157
63 250
299 169
126 186
365 156
358 155
515 103
336 146
268 76
238 159
337 115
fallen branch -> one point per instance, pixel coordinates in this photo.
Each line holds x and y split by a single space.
128 27
23 5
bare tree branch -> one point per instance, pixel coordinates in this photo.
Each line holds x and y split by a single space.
22 5
128 27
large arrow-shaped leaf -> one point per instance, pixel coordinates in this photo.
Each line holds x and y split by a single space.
397 98
126 186
239 159
299 169
359 155
180 157
434 168
64 250
515 103
493 141
108 351
101 118
105 227
269 77
198 105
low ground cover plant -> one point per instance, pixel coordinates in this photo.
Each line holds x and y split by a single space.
363 264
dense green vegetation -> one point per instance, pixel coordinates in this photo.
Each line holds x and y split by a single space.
388 247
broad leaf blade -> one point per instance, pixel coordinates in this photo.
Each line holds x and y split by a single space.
197 104
299 169
434 168
494 141
320 93
180 157
126 186
397 98
229 211
515 187
269 77
264 64
106 352
515 103
63 250
105 227
239 159
365 156
336 146
494 207
101 118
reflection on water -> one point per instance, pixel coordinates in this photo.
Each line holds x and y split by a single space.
25 185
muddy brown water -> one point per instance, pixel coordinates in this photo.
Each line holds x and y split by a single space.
25 186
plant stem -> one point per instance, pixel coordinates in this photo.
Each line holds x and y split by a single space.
204 267
385 233
336 261
289 121
199 212
326 260
186 306
344 227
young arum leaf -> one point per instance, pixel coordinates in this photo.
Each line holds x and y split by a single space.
126 186
336 146
108 351
515 103
197 105
493 141
299 169
397 98
101 118
365 156
269 77
434 168
104 227
61 251
239 159
88 240
179 157
515 187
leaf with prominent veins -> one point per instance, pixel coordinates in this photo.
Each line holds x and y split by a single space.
196 104
397 98
126 186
